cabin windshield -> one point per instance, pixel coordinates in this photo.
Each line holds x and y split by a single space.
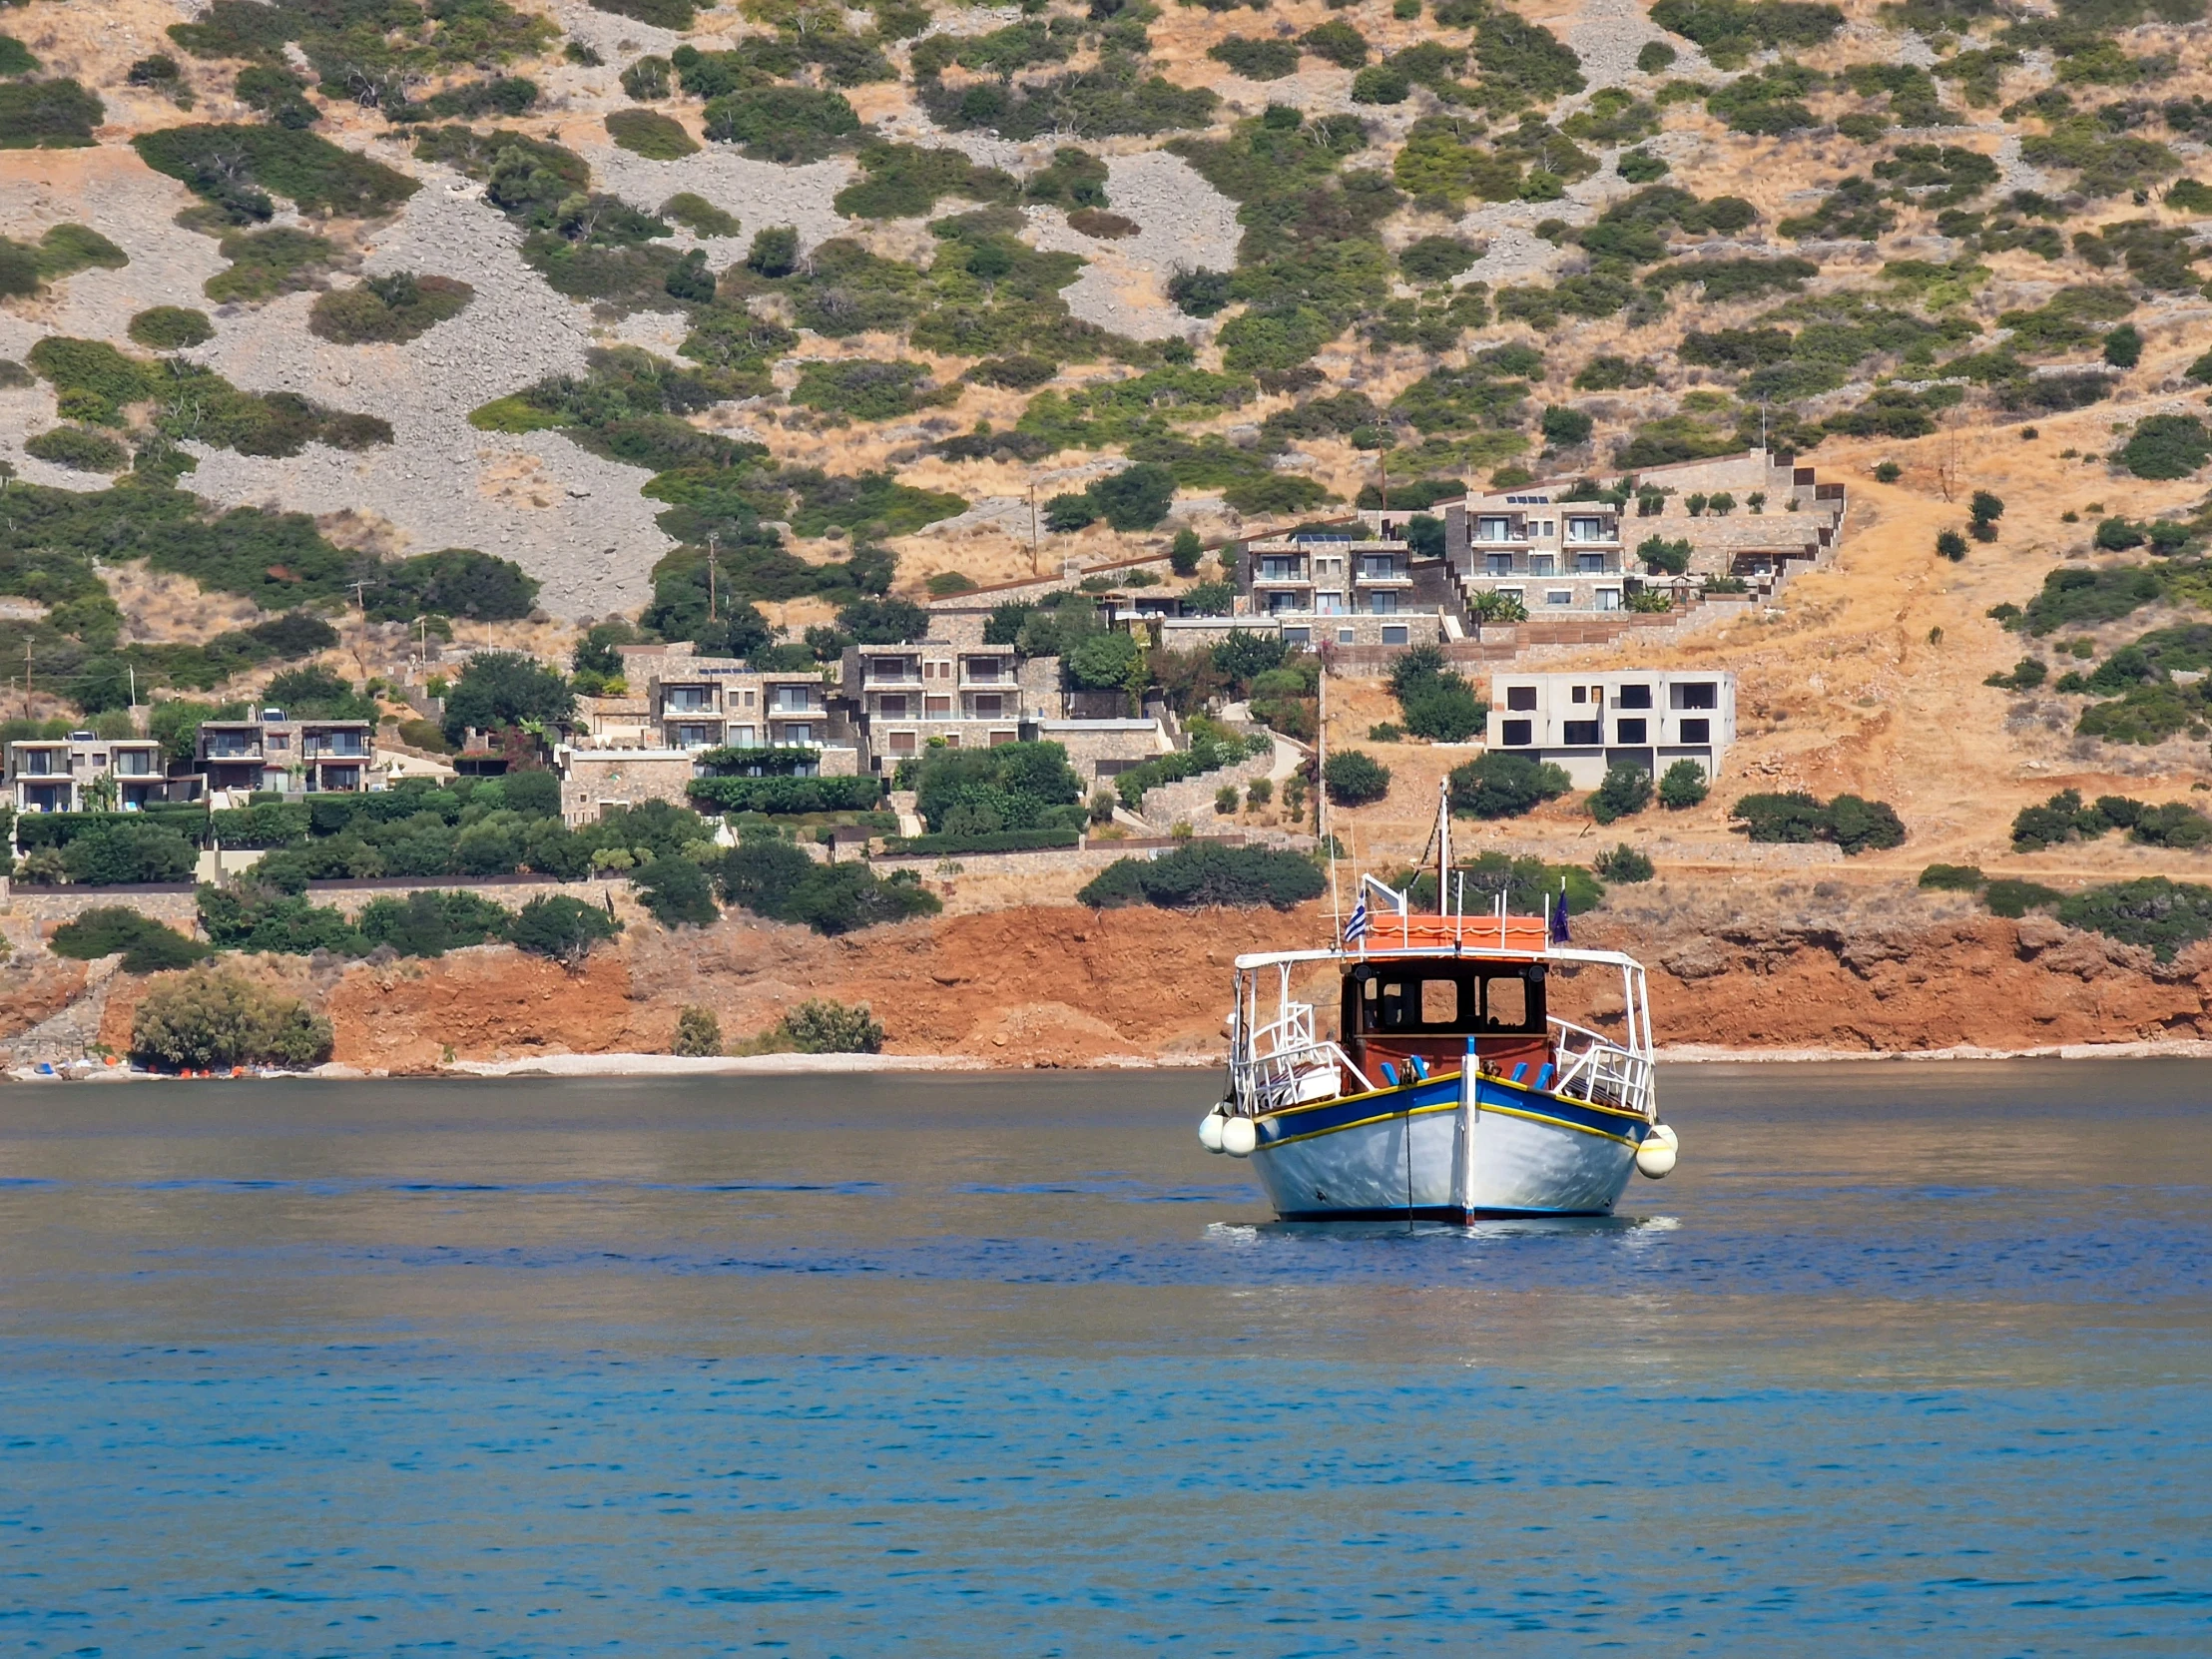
1446 999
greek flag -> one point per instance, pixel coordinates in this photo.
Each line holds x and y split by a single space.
1356 927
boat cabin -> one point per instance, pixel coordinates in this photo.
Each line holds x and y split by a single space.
1394 1010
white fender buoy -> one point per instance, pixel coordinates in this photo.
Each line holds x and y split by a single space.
1239 1136
1209 1130
1657 1155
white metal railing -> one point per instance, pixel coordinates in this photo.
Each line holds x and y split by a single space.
1283 1064
1596 1068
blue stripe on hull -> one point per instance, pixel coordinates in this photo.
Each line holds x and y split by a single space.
1443 1093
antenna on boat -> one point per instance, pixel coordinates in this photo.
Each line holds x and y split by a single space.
1321 790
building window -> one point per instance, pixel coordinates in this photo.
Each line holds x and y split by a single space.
1584 733
1697 731
1581 694
986 708
1280 602
1520 697
1590 562
1632 697
793 699
1698 694
1541 564
1632 730
1558 596
695 737
1516 595
686 700
1609 599
1000 738
1494 529
1498 564
1330 604
983 670
741 736
892 708
1520 734
1298 636
902 743
1586 530
936 708
1345 636
1383 603
1396 635
797 731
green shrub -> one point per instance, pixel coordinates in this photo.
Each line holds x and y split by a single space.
504 687
991 841
775 796
388 309
782 124
2013 899
1438 702
821 1026
676 893
1625 865
1950 544
561 928
1853 823
648 133
862 388
265 263
1205 873
78 449
145 944
170 328
699 216
1018 785
1952 878
236 168
1625 792
67 249
47 115
698 1034
430 924
1354 779
2164 916
905 180
214 1016
16 59
1505 785
1255 60
774 878
1435 259
2166 446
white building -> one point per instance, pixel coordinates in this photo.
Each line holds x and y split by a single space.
1589 721
82 773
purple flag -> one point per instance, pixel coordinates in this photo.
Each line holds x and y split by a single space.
1559 935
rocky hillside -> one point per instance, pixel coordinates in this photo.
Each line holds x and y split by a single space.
325 325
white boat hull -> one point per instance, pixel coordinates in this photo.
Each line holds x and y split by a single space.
1516 1161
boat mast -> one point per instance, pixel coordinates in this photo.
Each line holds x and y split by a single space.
1443 846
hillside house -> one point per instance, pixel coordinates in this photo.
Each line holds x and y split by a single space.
1357 582
294 757
1535 546
1589 721
65 775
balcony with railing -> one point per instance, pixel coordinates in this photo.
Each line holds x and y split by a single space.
137 763
986 671
890 671
688 700
27 761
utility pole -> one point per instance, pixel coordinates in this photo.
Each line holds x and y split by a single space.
1384 460
713 546
1036 533
360 597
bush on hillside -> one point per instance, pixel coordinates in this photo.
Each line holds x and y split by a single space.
698 1034
1354 779
1205 873
430 924
1505 785
1437 701
390 310
821 1026
1683 785
145 944
170 328
122 854
561 928
1853 823
2163 915
1625 792
676 893
213 1018
1623 863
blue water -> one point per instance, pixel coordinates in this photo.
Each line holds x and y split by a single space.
1902 1360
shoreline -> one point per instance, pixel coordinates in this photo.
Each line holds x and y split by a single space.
628 1065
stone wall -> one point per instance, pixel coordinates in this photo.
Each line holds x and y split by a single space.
1191 800
593 778
174 903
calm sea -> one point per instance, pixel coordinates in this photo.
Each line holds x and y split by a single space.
1903 1360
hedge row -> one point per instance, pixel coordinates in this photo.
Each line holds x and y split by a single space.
991 840
788 795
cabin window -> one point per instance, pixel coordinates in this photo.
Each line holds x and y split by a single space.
1457 1001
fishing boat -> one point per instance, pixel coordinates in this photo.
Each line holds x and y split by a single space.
1449 1092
